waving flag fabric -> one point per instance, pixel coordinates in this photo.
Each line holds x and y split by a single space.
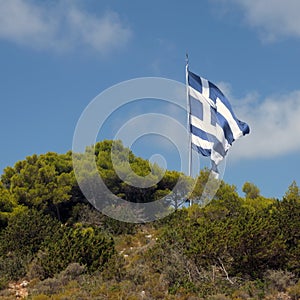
213 124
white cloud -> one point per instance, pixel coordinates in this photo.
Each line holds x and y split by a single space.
60 27
274 124
275 18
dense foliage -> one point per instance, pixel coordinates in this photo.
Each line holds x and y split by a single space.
232 248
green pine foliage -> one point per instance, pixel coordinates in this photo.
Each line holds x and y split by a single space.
230 248
86 246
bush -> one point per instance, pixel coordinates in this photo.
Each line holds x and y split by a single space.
279 280
12 267
72 271
26 232
84 245
56 284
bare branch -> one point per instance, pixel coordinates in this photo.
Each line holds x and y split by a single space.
226 273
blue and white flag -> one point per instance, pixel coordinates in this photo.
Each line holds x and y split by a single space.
213 124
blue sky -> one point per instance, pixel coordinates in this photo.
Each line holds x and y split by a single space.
56 56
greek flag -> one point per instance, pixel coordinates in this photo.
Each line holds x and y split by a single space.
213 124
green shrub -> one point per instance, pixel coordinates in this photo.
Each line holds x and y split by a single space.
26 232
84 245
13 266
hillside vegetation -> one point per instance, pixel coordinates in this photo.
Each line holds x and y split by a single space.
56 245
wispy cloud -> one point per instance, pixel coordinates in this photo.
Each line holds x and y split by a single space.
62 27
166 49
274 18
274 123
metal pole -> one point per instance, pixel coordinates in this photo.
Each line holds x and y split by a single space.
188 119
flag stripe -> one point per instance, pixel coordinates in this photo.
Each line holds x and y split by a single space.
204 140
217 131
201 141
204 152
225 112
207 141
225 128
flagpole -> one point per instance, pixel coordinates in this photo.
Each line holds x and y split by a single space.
188 119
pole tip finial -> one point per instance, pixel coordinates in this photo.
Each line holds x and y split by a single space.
186 58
